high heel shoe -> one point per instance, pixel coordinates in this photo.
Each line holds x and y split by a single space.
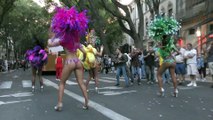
85 107
33 88
58 107
96 89
42 88
161 92
175 94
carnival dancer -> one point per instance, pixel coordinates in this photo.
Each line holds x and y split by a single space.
69 25
162 29
91 63
37 58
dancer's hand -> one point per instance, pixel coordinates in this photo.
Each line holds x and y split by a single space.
102 48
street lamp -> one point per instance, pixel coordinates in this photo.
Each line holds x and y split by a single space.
198 33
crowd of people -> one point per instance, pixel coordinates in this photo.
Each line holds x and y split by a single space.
144 62
7 65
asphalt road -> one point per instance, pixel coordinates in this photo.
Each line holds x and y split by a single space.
17 102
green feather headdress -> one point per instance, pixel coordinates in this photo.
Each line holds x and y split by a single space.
161 26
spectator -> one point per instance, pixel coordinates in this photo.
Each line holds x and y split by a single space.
191 60
210 59
149 58
142 62
120 63
200 66
135 63
180 64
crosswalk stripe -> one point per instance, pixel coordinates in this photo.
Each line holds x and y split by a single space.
110 78
23 94
106 81
26 83
71 82
6 85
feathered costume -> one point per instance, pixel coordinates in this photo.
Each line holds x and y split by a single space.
69 25
90 61
37 57
160 27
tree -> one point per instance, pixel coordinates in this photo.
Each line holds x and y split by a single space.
125 21
153 6
25 24
5 7
101 21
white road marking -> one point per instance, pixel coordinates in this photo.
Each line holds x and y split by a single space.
111 88
103 110
11 102
110 78
90 82
116 92
71 82
6 85
15 76
26 83
106 81
24 94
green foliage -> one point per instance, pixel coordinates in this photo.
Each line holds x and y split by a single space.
25 24
114 36
105 25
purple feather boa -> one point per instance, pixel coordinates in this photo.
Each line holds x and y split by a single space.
69 25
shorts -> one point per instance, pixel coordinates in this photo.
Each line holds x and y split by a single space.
180 69
210 67
192 69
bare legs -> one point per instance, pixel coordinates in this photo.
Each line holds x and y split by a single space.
79 77
34 76
163 67
65 75
34 72
93 73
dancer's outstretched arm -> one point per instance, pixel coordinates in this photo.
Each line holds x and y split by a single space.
101 51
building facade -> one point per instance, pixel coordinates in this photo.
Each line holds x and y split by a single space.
166 8
196 17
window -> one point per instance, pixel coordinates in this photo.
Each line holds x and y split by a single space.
146 25
170 9
170 12
146 7
163 11
211 27
191 31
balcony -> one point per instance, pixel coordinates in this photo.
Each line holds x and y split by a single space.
198 10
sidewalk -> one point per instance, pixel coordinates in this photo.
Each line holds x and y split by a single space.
7 71
208 79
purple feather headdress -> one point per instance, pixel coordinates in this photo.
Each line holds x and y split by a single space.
37 57
69 25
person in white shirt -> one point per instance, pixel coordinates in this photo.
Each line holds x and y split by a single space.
191 57
180 64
